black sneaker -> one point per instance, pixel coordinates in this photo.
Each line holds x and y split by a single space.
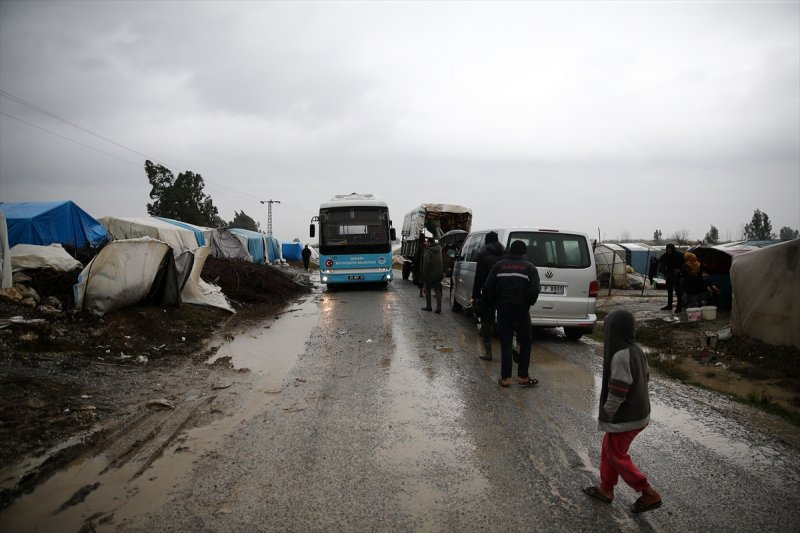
666 308
427 309
485 357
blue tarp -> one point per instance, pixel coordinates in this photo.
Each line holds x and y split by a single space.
255 243
273 248
198 233
292 251
45 223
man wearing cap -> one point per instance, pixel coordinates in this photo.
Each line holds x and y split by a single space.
513 287
491 252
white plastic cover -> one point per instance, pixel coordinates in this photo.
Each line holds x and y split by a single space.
228 245
608 257
122 274
766 294
198 291
32 256
5 260
179 239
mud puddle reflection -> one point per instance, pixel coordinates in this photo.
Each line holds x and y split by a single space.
95 489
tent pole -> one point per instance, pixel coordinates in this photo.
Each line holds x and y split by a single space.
611 277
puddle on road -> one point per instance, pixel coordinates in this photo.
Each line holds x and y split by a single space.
420 423
270 353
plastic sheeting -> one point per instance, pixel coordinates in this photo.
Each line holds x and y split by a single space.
262 247
766 294
31 257
5 259
608 257
292 251
125 273
225 244
144 270
179 239
44 223
201 233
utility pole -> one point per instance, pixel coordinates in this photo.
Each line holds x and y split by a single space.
269 214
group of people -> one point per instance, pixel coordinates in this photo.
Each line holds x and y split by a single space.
687 279
509 284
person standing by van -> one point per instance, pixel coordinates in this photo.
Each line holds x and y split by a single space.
489 254
672 266
512 286
432 274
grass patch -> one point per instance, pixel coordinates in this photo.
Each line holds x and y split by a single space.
669 367
763 401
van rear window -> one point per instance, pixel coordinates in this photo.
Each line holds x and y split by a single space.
555 250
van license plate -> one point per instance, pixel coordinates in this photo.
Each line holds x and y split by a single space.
552 289
355 277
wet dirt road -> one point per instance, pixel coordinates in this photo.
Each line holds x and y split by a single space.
362 412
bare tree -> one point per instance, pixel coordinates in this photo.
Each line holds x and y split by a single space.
680 237
625 236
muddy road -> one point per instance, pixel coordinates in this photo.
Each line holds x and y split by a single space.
359 411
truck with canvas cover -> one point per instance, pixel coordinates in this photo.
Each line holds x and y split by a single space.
437 219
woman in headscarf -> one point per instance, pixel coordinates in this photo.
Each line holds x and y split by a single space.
693 283
624 412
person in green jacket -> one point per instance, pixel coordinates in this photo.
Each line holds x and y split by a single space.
432 274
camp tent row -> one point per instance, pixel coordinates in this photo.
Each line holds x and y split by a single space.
152 259
612 260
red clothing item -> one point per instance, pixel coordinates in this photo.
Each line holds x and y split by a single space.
615 462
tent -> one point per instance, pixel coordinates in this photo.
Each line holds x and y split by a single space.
766 294
201 233
225 244
638 256
717 262
262 247
610 258
127 272
144 270
5 258
45 223
183 242
292 251
179 239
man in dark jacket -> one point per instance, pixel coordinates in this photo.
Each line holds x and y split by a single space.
306 253
432 273
672 265
513 287
491 252
624 411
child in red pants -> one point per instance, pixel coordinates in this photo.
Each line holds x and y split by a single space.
624 412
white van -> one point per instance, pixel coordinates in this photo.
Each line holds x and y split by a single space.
567 275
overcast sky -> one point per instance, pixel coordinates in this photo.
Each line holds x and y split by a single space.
612 117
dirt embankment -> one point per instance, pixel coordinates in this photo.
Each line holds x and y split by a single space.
63 372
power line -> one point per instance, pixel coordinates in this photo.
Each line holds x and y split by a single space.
70 140
65 121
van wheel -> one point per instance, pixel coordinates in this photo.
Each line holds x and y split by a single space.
454 305
406 269
573 333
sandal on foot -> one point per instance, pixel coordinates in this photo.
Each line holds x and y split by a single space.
594 492
640 507
504 382
530 382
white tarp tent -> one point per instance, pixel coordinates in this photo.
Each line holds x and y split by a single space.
225 244
125 273
5 260
179 239
130 271
766 294
33 256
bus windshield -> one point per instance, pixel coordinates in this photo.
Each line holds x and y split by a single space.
354 230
